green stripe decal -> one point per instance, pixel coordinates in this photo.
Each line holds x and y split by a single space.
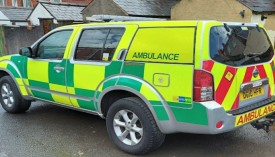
42 95
176 104
196 115
54 77
113 68
134 68
89 105
97 96
13 71
20 62
130 83
70 74
161 113
159 110
39 84
84 92
43 86
109 83
156 103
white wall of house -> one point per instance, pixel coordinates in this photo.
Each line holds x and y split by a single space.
257 19
4 20
21 23
40 13
271 33
272 36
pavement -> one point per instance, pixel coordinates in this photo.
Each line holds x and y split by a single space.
51 131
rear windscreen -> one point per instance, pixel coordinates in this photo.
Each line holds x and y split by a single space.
239 45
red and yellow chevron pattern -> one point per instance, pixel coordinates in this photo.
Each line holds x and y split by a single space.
228 80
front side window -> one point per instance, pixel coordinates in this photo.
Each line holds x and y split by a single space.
240 45
53 47
98 44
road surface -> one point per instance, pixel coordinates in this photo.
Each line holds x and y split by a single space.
51 131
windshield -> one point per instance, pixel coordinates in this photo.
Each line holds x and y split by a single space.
240 45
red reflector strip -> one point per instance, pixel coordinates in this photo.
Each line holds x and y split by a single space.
247 78
262 73
208 65
224 85
236 102
248 74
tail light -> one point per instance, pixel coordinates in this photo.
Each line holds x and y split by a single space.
203 86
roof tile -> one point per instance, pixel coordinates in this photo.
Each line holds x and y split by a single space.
146 7
65 11
259 5
16 14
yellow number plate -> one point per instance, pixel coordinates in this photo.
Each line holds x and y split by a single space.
254 114
252 93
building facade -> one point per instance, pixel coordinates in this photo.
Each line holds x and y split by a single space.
255 11
16 3
33 3
134 8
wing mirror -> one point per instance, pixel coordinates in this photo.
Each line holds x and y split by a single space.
26 51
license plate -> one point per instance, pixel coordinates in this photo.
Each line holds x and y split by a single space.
252 93
254 115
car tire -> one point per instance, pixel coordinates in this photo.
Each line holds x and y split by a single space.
10 98
132 117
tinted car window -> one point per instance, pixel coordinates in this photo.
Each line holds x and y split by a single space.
111 43
240 46
98 44
53 47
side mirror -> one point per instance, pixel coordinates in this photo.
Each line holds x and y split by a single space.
26 51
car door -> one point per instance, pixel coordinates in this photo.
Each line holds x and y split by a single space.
46 71
92 61
241 62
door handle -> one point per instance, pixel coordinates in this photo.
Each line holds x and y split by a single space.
58 68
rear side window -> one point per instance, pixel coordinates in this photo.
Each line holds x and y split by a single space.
169 45
98 44
240 45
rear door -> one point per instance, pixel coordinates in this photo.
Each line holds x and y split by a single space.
243 59
256 81
94 59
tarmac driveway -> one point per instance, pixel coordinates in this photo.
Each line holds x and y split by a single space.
51 131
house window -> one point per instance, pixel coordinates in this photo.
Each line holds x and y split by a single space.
26 3
2 3
57 1
14 3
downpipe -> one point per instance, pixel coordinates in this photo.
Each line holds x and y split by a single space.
264 123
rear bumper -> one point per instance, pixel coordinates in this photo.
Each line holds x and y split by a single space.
215 114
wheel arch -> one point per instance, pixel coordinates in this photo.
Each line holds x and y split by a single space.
146 93
9 68
102 109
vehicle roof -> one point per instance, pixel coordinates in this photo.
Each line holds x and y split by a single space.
155 23
140 23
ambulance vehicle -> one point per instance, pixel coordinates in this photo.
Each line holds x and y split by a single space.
149 79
